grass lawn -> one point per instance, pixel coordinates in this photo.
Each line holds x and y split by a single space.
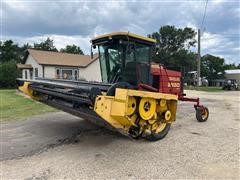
16 107
207 89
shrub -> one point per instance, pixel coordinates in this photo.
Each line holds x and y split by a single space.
8 74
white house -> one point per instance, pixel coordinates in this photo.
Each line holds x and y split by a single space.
57 65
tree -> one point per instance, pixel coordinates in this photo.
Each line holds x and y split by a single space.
212 67
8 74
9 51
73 49
230 66
23 50
184 59
46 45
173 47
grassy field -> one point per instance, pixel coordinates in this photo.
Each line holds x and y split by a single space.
16 107
207 89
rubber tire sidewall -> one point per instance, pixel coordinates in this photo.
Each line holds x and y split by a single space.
199 115
158 136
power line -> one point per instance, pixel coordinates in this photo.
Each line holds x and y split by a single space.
204 15
199 47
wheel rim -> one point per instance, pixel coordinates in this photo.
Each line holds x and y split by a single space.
158 127
167 115
204 113
147 108
163 102
131 105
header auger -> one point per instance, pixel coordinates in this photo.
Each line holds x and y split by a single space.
136 97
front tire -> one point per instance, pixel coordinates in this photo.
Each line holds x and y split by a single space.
202 114
157 136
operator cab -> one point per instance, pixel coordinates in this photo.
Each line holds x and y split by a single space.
124 57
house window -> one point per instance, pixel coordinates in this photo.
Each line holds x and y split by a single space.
36 72
75 74
31 73
58 74
67 73
26 76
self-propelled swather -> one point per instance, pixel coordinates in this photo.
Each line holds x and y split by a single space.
136 97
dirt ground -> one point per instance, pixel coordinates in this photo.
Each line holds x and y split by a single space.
61 146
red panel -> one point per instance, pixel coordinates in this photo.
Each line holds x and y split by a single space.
169 80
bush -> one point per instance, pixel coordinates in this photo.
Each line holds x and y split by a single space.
8 74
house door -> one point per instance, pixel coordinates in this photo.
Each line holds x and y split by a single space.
31 73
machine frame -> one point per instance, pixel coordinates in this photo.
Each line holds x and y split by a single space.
128 100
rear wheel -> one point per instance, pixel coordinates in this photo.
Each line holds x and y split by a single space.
202 114
160 132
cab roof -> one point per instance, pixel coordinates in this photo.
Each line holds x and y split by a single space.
119 35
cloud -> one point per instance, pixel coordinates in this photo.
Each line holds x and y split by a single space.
77 21
84 18
223 45
60 41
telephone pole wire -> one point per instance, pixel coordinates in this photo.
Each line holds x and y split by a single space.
199 60
204 14
199 47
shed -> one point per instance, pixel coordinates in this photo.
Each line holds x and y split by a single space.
233 74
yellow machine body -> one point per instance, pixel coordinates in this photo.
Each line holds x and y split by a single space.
129 108
27 90
136 113
149 111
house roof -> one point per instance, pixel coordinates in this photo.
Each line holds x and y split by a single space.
60 59
232 71
24 66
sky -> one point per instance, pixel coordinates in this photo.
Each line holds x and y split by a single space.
76 22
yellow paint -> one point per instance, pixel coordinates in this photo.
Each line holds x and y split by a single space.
112 111
172 107
133 118
163 102
151 121
147 108
167 115
26 90
158 127
131 106
125 34
116 109
154 95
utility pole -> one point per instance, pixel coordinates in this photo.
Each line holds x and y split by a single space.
199 60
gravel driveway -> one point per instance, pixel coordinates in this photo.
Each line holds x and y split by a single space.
81 150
